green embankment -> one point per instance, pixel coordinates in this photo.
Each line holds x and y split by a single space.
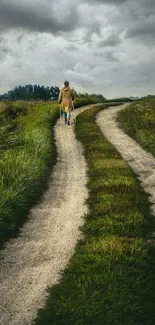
138 121
111 277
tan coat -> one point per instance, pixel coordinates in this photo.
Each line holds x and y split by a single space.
65 98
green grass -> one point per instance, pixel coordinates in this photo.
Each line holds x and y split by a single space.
27 155
78 102
138 121
110 279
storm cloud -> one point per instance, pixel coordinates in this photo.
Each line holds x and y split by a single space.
37 16
102 46
113 2
111 41
143 28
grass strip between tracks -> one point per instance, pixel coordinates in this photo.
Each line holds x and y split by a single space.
138 121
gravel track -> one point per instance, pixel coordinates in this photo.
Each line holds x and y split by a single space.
141 161
33 261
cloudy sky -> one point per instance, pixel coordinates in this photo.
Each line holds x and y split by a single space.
101 46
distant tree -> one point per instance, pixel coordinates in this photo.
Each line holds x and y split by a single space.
37 92
150 96
100 97
54 93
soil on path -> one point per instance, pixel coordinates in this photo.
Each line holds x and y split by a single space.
32 262
141 162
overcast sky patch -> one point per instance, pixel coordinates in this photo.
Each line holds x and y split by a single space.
102 46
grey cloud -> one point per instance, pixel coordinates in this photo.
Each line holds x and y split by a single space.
142 28
20 38
111 57
71 48
108 55
37 58
3 52
83 79
39 18
94 28
147 7
4 49
111 41
111 2
138 9
145 72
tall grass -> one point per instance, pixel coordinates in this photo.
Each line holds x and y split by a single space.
138 121
111 277
26 159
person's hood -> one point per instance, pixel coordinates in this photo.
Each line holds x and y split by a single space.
66 88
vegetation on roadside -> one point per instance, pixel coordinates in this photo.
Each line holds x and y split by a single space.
111 277
119 100
138 121
27 154
82 101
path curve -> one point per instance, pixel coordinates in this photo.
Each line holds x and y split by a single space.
141 162
32 262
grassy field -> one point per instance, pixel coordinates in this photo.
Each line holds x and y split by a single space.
138 121
111 277
27 155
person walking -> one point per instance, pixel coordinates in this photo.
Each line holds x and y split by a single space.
65 99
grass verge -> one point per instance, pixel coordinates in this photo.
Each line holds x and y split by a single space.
111 277
138 121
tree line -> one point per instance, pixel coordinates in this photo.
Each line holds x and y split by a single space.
37 92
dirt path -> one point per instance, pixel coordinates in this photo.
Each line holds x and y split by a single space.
32 262
142 162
